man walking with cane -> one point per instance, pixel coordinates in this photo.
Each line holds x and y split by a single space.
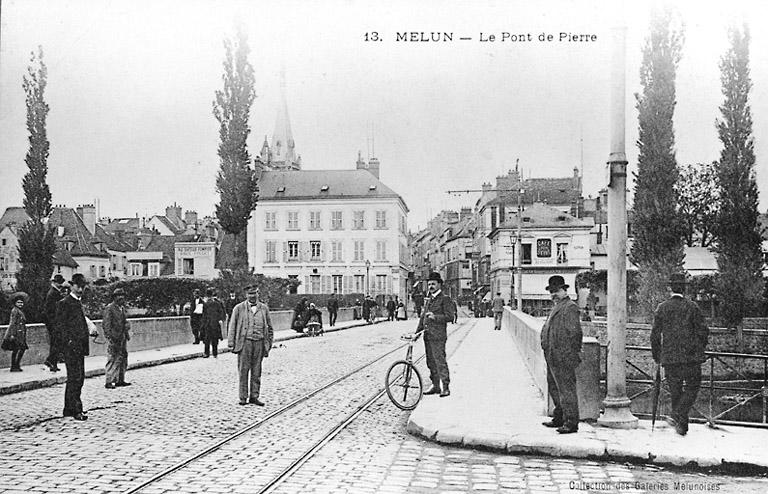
678 341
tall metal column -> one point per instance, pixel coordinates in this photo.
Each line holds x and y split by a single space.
519 244
616 403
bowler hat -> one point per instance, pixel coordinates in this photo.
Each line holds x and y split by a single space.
118 292
58 279
251 288
555 283
79 280
433 276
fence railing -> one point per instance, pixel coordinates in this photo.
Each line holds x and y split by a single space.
734 388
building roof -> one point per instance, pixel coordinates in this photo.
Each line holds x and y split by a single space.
13 216
115 242
122 225
542 216
279 185
699 260
75 231
63 258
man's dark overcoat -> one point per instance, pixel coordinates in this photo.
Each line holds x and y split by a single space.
679 335
561 335
443 310
70 321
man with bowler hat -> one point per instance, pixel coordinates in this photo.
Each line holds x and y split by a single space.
49 313
561 342
116 326
70 321
438 311
250 337
678 341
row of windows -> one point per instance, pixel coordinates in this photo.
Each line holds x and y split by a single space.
315 250
337 220
342 284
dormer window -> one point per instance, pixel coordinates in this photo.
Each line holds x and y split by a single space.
371 187
281 190
324 188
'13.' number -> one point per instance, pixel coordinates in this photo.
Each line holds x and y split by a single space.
372 36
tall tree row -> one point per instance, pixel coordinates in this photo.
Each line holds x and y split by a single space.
236 181
739 255
658 246
36 240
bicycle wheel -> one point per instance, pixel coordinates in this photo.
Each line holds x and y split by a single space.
403 384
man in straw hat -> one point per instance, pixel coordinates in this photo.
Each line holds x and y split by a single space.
678 341
49 314
116 326
70 321
438 311
561 342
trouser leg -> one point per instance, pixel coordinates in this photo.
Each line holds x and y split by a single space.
565 379
674 377
691 384
215 346
557 414
258 356
244 368
441 363
206 345
53 352
497 320
434 376
75 378
122 363
112 368
16 358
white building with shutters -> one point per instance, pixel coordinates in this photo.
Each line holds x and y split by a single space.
341 230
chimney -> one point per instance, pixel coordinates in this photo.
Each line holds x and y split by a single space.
465 213
173 213
360 162
87 212
373 166
190 218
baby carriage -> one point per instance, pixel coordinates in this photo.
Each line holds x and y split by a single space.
314 326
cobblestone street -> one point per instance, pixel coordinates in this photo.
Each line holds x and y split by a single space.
173 411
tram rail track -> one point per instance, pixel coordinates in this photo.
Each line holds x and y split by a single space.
279 411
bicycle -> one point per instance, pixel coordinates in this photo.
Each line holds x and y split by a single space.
403 381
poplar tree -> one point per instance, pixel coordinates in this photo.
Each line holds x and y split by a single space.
740 284
658 234
236 181
36 240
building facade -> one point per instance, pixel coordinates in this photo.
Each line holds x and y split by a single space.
331 230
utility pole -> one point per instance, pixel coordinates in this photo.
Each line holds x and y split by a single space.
519 243
616 404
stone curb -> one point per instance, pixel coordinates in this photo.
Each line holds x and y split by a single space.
61 379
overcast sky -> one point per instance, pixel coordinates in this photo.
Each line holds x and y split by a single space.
131 86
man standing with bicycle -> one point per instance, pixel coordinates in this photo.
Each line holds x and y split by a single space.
438 311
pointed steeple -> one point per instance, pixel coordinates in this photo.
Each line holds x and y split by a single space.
283 148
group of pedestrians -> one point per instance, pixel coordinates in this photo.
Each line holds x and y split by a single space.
678 342
208 319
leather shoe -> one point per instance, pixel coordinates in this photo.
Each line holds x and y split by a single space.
110 385
552 424
120 385
445 392
79 416
568 429
256 401
681 429
432 391
242 402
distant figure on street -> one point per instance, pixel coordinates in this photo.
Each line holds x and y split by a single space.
300 316
678 341
214 317
250 337
498 310
402 313
116 327
418 302
357 312
15 339
196 315
333 309
70 320
49 318
438 311
315 319
391 309
230 304
561 341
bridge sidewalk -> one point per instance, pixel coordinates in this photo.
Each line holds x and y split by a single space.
38 376
495 404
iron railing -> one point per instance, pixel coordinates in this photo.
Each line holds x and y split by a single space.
745 387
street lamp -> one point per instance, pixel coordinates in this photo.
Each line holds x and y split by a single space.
367 277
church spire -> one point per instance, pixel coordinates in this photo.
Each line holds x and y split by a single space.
283 147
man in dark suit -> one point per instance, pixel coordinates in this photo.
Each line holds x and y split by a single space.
214 317
49 313
561 341
391 306
116 326
678 341
70 320
438 311
333 309
196 316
